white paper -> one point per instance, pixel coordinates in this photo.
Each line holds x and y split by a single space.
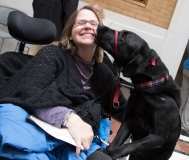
59 133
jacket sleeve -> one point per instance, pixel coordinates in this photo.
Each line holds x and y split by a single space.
53 116
68 7
35 82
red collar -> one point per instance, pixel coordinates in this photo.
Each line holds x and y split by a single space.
150 84
116 94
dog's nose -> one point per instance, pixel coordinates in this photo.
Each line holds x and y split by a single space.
100 26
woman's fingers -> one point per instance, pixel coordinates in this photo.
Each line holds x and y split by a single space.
81 132
78 149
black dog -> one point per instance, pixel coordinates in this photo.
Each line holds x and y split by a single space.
152 117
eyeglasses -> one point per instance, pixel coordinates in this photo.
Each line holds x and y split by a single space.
82 22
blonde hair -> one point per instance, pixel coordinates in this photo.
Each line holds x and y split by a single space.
65 41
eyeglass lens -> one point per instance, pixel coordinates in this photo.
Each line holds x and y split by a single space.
84 22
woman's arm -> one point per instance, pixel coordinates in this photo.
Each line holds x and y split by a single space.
54 116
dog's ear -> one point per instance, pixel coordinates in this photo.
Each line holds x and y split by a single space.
135 66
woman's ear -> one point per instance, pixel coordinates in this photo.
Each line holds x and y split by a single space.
71 38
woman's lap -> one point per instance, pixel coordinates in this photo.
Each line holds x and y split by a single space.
23 140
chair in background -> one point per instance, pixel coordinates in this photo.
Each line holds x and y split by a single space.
4 12
29 30
26 49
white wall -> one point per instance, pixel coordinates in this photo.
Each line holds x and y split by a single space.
176 37
22 5
169 43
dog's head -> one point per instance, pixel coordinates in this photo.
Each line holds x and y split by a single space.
133 52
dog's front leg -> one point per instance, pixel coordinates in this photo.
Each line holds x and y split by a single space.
148 143
120 138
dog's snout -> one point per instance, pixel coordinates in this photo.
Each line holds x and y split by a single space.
100 25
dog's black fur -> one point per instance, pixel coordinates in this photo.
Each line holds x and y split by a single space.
152 117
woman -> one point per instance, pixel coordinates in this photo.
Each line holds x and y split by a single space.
66 86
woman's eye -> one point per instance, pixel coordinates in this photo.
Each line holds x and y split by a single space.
82 22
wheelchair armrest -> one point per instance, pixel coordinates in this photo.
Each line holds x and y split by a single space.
30 30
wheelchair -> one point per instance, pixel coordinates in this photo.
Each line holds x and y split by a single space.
27 30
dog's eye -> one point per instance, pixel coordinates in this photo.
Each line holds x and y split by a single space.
123 35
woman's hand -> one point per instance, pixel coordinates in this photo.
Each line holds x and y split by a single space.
80 131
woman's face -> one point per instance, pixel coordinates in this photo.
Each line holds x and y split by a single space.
84 29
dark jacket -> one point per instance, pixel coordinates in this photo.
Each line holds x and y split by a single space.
51 79
57 11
